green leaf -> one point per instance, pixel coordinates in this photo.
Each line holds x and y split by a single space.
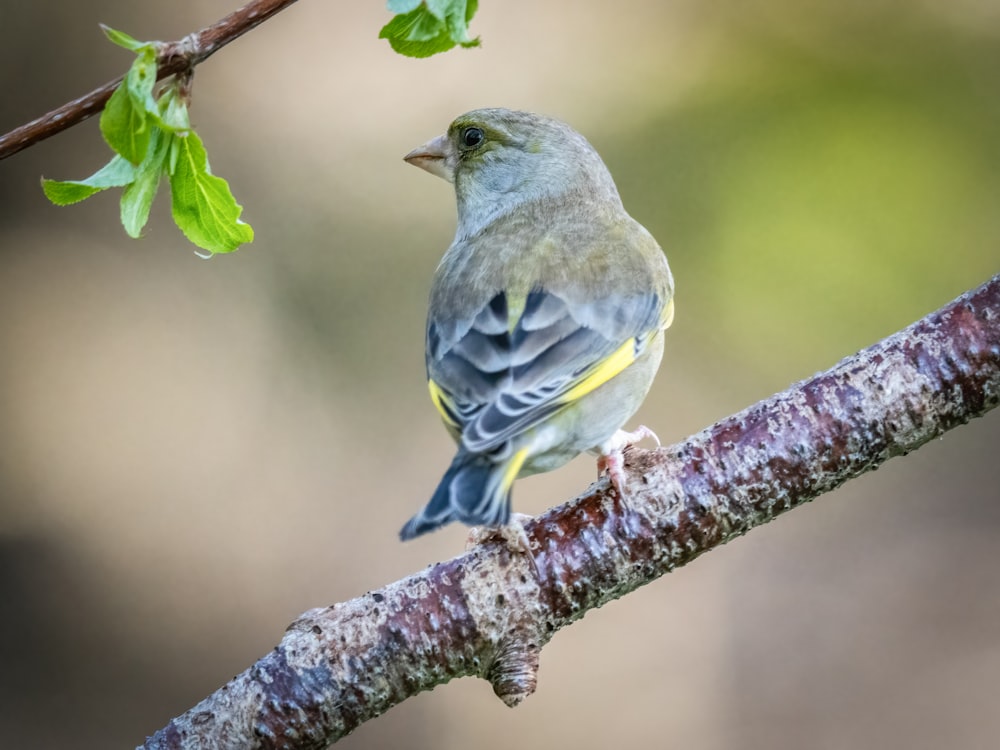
124 121
67 192
152 137
402 6
423 25
458 23
141 78
173 113
137 197
203 207
116 173
432 26
417 34
124 127
123 40
440 8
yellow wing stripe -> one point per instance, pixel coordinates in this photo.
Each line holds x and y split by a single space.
614 364
515 309
442 404
668 316
512 469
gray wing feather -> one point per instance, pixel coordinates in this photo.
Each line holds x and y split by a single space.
503 381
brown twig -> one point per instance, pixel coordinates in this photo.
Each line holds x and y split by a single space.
173 58
489 612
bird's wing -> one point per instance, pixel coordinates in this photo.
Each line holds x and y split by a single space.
515 364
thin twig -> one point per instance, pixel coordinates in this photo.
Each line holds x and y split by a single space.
173 58
489 612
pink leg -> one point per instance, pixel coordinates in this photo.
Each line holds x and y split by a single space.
612 458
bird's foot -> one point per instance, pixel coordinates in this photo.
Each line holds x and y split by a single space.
612 458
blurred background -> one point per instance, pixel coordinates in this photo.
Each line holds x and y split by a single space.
194 452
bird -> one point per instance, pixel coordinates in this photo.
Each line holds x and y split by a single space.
546 316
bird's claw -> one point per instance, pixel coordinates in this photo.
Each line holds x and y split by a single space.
612 458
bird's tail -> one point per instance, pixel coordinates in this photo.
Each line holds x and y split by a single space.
475 490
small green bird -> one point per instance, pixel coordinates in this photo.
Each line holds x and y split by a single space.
547 313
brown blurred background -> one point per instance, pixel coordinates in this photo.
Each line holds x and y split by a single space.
192 453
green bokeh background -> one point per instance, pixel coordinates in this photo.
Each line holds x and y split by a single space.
192 453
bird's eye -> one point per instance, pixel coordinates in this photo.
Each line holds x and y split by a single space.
472 137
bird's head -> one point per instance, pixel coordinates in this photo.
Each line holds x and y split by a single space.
499 159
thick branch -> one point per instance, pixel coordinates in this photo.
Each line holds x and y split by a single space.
173 58
489 611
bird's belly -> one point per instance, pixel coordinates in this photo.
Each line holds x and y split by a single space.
591 420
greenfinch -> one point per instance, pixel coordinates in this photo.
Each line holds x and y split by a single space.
547 312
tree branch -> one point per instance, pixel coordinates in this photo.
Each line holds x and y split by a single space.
173 58
489 611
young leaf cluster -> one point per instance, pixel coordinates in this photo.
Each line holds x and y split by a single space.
149 129
423 28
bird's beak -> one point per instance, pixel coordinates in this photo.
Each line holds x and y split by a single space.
433 157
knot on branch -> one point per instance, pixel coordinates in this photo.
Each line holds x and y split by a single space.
514 671
503 594
177 61
181 55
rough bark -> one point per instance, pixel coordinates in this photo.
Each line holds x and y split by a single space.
489 611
